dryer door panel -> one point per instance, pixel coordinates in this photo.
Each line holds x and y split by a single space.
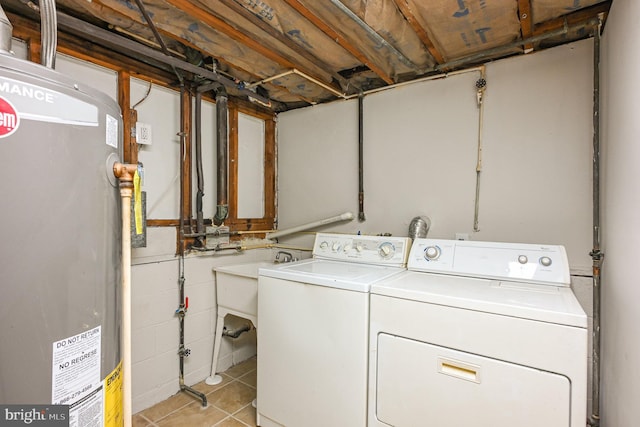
424 384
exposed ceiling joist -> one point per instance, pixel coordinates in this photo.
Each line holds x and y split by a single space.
573 18
333 34
258 46
405 8
526 22
302 52
272 32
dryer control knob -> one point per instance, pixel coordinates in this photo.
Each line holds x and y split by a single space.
432 253
522 259
545 261
386 250
324 245
336 246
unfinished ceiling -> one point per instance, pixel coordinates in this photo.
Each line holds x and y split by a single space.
293 53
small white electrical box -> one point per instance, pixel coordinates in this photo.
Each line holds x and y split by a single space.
143 133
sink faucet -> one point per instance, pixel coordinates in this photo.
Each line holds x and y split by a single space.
286 257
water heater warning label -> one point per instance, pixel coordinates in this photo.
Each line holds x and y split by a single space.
9 120
76 367
76 378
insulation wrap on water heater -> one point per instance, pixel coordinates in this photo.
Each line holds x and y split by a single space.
61 253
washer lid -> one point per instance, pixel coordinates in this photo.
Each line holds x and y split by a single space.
552 304
334 274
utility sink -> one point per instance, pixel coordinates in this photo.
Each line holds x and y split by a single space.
237 289
237 294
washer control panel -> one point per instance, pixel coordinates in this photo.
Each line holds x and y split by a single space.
522 262
384 250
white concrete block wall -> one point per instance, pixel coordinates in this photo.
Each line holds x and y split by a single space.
582 287
155 327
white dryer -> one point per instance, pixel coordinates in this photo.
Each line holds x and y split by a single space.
313 338
478 334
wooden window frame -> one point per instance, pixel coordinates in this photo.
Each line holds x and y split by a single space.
267 222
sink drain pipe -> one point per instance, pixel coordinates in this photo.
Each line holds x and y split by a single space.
235 333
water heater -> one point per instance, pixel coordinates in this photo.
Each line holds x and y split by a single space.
60 262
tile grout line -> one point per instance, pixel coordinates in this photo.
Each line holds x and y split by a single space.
229 415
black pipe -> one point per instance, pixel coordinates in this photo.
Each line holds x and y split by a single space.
361 216
145 54
200 194
222 142
158 37
235 333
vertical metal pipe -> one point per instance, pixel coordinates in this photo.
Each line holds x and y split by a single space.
200 194
596 255
6 31
49 30
361 216
182 304
222 140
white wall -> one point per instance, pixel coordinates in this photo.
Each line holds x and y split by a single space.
420 151
620 392
155 328
420 146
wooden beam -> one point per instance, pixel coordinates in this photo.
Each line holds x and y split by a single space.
271 31
407 12
574 18
163 223
334 35
526 22
129 118
235 34
185 157
270 171
28 30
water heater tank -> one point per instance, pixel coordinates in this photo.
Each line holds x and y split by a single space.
60 243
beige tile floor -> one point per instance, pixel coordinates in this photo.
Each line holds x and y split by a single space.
228 403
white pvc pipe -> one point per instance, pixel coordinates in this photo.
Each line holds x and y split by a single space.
125 194
344 217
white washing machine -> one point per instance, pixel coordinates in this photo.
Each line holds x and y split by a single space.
313 338
478 334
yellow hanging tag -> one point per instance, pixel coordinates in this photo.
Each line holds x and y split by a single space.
137 207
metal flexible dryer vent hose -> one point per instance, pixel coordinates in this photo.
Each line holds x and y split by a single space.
6 31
